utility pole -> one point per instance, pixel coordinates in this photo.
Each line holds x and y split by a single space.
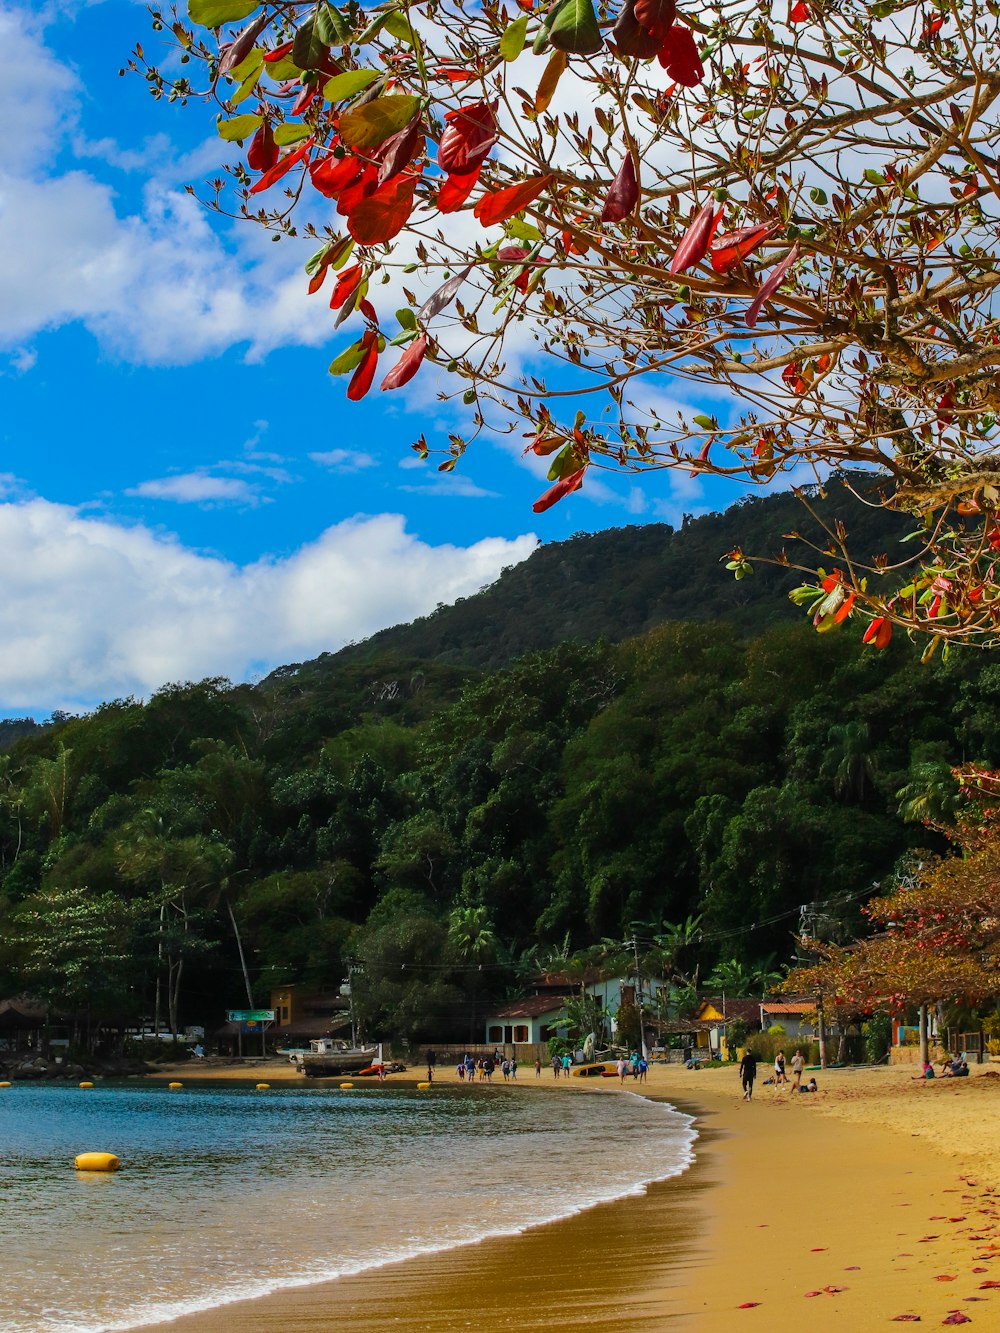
638 995
821 1031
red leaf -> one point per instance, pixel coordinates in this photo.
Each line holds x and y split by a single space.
279 52
631 38
503 204
702 457
237 51
456 189
810 1294
399 150
468 137
263 151
696 240
347 282
987 1286
906 1319
748 1305
945 1277
730 247
360 188
655 16
879 632
800 13
956 1317
361 380
385 213
623 194
564 486
407 365
770 285
334 174
281 168
679 56
841 615
368 310
458 75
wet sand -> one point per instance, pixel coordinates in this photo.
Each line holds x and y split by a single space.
878 1197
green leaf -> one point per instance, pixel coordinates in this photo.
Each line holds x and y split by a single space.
283 69
574 29
706 423
373 30
286 134
247 86
247 65
398 26
875 177
407 318
351 82
565 463
330 25
348 360
519 230
213 13
308 51
817 195
512 42
541 42
239 128
370 125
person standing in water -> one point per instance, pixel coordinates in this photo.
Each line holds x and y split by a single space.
748 1072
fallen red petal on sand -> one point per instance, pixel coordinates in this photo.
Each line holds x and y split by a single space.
986 1286
945 1277
818 1249
956 1219
925 1239
957 1317
748 1305
810 1294
834 1291
906 1319
980 1270
853 1268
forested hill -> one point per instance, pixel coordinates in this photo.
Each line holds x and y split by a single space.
615 584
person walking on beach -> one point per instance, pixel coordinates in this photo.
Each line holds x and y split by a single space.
566 1062
798 1064
748 1072
556 1066
622 1068
538 1066
779 1069
513 1068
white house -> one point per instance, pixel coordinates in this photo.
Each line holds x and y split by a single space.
797 1017
542 1015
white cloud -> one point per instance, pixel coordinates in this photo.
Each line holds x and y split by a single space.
93 610
457 484
344 460
197 488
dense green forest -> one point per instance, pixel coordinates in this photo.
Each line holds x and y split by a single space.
453 818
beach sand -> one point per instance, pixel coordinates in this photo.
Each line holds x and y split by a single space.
875 1198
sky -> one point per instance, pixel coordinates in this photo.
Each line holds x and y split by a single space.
184 490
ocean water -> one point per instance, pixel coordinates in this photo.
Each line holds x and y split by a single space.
227 1193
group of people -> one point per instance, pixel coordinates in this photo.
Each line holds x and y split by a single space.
485 1067
748 1073
954 1066
635 1066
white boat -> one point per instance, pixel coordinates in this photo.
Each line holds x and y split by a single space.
327 1057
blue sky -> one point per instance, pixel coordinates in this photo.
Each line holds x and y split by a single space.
184 491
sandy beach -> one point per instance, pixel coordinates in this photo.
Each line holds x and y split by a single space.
876 1198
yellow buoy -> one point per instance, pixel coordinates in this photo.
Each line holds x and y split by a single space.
96 1161
175 1085
347 1085
4 1085
425 1085
263 1087
86 1085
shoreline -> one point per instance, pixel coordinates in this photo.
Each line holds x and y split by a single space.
833 1209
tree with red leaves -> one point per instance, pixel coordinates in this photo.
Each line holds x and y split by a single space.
938 938
792 212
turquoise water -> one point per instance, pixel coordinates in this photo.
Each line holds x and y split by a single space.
227 1193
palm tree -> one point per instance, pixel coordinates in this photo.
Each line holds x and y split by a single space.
848 764
473 939
932 796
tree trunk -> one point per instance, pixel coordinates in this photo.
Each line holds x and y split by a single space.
922 1030
158 1004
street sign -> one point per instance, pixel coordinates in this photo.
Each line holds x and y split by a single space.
250 1015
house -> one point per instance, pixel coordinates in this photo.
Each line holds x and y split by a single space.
797 1017
537 1017
530 1021
705 1034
